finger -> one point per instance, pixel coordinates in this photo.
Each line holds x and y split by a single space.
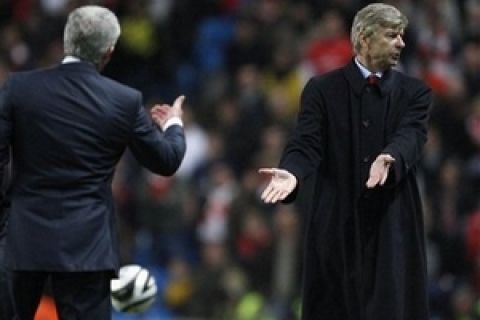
373 176
384 178
158 112
266 192
157 116
267 171
372 181
179 102
389 158
386 158
269 196
385 175
283 195
274 196
273 190
162 108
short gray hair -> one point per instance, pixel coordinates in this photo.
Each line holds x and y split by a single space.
90 32
373 17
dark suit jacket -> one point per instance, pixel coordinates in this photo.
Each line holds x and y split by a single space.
68 127
365 256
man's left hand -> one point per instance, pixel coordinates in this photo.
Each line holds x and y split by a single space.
379 170
162 113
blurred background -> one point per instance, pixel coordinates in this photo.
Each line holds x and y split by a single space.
216 251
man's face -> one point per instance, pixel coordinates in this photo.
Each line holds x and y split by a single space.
383 48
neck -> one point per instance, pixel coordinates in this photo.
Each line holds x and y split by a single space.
104 60
369 64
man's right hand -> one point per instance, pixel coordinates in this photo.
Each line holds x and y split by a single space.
281 184
164 112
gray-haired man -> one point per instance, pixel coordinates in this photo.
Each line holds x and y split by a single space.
360 131
68 126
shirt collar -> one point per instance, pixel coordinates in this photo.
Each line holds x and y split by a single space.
365 72
70 59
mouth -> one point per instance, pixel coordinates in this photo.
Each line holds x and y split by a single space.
396 56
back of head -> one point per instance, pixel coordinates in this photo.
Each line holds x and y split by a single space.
90 32
374 17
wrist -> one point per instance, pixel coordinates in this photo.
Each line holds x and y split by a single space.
175 120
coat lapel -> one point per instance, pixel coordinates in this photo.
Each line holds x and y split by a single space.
356 84
354 78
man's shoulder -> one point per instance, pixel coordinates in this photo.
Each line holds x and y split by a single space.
328 81
29 74
408 81
119 87
327 77
43 74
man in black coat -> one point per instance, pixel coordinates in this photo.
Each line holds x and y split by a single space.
360 130
68 126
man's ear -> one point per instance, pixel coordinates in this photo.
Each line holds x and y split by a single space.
106 58
363 40
109 52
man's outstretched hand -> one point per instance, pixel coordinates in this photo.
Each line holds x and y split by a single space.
164 112
281 184
379 170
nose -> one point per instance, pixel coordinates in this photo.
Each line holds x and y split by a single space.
400 42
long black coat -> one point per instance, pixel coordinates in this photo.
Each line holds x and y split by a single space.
365 255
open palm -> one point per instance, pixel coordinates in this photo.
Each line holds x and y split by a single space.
281 184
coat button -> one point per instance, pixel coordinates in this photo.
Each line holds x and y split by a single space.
365 159
366 123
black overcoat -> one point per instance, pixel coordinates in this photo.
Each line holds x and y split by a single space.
364 249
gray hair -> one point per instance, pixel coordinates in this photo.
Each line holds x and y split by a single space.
90 32
374 17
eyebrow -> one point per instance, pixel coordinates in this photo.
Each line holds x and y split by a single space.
394 31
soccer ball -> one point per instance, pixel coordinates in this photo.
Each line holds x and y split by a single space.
134 291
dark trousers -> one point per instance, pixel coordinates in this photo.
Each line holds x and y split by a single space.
6 307
77 295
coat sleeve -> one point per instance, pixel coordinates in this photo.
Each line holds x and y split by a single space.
160 152
306 146
407 142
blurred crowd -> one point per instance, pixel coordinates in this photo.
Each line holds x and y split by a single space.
216 251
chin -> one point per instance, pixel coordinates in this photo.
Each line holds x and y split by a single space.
394 62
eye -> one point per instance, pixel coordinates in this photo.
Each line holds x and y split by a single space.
393 35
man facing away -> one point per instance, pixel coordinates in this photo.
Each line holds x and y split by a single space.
360 131
68 126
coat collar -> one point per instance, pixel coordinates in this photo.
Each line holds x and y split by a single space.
358 82
80 66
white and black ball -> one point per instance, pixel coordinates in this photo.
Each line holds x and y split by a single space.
135 289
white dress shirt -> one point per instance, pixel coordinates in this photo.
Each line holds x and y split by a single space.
365 72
